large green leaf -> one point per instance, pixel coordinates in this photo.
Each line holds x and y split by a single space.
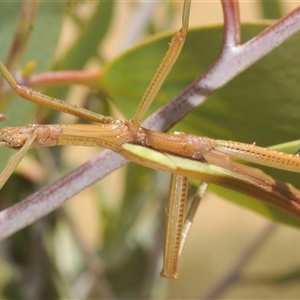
260 105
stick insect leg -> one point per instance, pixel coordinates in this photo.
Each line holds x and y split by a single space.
50 102
166 65
174 223
11 166
177 224
191 213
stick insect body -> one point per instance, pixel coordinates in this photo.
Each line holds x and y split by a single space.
184 155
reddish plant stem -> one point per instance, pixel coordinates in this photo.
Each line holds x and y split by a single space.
61 78
232 24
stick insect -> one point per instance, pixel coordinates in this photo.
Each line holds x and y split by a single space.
184 155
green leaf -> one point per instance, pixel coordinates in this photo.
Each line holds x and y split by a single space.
86 46
41 47
288 277
271 9
260 105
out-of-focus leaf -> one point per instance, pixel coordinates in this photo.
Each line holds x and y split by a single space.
87 44
271 9
44 37
288 277
9 13
41 47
